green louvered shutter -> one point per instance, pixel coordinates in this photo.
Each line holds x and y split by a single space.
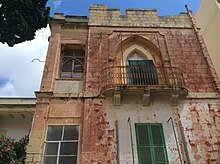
150 144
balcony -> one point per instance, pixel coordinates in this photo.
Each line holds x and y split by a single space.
138 78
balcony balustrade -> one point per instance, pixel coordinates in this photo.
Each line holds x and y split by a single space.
141 77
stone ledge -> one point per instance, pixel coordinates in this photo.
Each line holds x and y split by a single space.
203 95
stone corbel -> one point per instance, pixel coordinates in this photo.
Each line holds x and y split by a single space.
174 98
117 97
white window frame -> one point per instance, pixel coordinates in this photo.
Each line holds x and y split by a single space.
59 143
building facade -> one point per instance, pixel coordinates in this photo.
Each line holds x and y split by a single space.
16 116
207 18
134 88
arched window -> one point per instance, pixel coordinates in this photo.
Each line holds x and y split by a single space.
136 55
141 71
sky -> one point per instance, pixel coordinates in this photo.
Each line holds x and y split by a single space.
20 74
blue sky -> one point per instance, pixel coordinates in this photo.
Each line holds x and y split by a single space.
164 7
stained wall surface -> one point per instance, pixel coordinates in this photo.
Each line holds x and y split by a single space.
105 134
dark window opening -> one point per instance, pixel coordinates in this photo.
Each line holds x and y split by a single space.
142 72
72 65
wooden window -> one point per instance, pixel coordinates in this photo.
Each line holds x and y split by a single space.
150 143
61 145
72 65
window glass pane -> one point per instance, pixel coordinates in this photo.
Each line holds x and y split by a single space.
51 149
71 132
54 133
143 135
79 53
69 53
159 155
156 135
50 160
78 68
68 148
68 160
145 155
67 65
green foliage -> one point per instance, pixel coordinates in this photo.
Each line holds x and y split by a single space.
13 152
19 19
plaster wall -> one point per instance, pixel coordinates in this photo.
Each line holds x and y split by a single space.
208 19
68 86
16 127
200 119
131 107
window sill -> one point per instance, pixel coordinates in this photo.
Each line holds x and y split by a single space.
69 79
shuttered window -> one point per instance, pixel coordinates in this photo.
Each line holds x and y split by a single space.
151 144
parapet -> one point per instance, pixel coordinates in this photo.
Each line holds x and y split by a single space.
70 18
100 15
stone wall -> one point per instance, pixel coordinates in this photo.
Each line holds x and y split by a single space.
171 47
100 15
201 121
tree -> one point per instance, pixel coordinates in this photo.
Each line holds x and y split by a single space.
19 19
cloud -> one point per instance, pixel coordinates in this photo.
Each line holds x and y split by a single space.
8 89
23 76
57 3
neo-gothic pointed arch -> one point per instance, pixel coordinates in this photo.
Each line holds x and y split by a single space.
139 57
140 44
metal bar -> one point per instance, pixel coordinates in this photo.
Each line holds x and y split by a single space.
117 141
184 143
136 76
175 138
132 149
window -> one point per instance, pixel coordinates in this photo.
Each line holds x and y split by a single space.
150 143
140 70
61 145
72 65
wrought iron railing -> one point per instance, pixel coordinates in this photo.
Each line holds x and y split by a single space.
135 76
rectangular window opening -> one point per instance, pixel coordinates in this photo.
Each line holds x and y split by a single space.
72 62
61 145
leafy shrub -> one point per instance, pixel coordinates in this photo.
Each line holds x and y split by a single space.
13 152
